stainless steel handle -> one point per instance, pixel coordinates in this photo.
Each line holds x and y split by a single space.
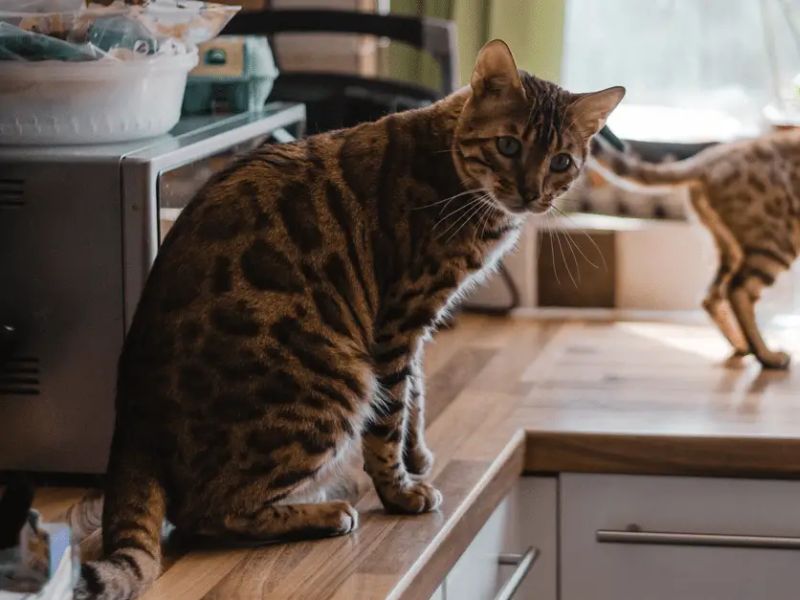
524 562
634 535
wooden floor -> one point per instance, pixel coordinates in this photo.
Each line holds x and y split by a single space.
507 396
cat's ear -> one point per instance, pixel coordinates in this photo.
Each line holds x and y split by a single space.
588 112
495 71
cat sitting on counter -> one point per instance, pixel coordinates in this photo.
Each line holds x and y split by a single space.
282 325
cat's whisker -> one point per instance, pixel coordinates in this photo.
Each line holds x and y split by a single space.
463 220
591 241
564 259
553 252
488 214
455 211
464 217
468 219
482 219
472 191
571 246
580 251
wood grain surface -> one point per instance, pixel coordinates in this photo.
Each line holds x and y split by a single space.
514 396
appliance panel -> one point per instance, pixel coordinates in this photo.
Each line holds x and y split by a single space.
61 289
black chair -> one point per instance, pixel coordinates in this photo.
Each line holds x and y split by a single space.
335 100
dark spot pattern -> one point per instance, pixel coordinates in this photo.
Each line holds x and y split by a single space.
221 277
296 207
235 319
221 222
181 286
266 268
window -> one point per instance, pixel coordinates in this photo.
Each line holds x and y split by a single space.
695 70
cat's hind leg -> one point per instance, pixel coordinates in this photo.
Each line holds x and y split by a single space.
718 307
756 273
289 521
256 508
716 302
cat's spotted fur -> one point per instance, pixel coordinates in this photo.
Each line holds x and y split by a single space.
283 321
748 196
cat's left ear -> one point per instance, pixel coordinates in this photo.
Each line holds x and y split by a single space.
495 72
588 112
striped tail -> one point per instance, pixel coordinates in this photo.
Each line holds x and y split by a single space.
133 514
614 165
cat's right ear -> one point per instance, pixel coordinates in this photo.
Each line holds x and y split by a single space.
495 72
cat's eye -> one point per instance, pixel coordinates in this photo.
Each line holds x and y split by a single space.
560 162
508 146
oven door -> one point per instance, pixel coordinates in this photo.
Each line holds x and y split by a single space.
160 181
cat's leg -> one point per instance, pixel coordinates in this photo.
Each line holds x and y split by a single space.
716 302
418 458
718 307
287 521
272 504
383 440
745 291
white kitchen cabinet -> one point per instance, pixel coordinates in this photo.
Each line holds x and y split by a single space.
524 521
600 515
439 593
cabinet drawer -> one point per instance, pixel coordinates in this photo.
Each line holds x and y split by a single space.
736 538
525 519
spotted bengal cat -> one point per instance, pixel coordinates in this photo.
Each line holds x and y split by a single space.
283 321
747 194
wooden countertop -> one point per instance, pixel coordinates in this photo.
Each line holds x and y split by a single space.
513 396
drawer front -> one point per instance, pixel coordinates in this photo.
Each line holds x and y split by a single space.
730 530
525 519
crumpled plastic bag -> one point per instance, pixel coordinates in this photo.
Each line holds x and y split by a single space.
79 30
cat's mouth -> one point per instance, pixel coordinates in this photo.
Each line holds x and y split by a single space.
539 206
535 207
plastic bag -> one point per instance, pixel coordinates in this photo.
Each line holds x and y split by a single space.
77 30
18 44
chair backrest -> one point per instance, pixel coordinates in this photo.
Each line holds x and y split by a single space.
434 36
336 100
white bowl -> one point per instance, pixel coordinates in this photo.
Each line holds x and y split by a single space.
91 102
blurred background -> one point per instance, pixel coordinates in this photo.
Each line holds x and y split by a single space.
698 72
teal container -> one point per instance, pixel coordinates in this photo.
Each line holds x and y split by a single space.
234 74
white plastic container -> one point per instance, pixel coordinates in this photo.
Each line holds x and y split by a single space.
92 102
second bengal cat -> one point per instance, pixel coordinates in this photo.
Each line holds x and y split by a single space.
747 194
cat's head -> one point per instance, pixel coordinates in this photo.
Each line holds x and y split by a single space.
522 139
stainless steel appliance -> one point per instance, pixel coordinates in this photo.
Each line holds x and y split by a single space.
79 229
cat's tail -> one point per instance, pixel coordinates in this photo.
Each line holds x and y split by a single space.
624 169
85 517
133 514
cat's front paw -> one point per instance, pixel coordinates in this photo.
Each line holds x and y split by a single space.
338 518
775 360
414 497
419 460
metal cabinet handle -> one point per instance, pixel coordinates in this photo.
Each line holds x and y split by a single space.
524 562
634 535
